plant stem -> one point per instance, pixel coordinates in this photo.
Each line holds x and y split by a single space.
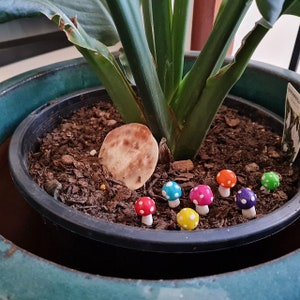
217 87
127 17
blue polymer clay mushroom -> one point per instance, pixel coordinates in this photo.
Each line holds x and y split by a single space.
171 191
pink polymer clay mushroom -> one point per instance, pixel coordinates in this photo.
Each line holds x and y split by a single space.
202 196
145 207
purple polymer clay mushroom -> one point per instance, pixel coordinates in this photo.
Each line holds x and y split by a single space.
202 196
246 199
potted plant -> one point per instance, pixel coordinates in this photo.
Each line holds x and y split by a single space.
162 92
25 267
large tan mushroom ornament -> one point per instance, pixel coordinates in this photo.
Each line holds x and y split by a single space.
130 154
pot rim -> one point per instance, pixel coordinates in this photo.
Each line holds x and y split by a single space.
136 237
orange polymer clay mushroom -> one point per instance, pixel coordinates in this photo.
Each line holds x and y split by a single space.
226 180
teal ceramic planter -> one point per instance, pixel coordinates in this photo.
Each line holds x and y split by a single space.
25 276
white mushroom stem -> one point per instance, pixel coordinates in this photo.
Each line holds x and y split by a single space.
224 192
264 189
249 213
174 203
147 220
202 210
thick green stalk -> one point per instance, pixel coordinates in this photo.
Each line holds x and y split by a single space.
148 24
217 87
212 56
162 26
127 17
179 29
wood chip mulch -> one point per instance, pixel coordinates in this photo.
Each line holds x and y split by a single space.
66 165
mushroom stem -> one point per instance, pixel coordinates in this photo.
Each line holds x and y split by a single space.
224 192
202 210
174 203
147 220
249 213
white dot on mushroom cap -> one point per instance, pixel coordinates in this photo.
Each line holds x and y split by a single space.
253 198
195 202
142 211
176 195
192 217
152 208
229 181
140 203
185 225
244 201
201 196
180 218
166 196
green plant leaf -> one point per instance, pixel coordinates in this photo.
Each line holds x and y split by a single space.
93 15
213 94
292 7
162 26
95 52
272 10
148 23
128 19
210 59
179 31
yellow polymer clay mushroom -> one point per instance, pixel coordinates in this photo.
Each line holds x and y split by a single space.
188 219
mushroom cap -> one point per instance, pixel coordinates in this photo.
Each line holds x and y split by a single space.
270 180
245 198
201 195
171 190
226 178
188 219
145 206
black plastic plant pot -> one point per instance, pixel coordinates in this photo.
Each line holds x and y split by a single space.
44 119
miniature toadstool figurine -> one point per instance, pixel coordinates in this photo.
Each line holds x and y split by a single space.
270 181
246 200
202 196
226 180
171 190
145 207
188 219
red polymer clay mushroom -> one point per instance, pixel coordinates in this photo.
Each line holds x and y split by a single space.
145 207
226 180
202 196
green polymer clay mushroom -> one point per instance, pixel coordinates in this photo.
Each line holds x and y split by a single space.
270 181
